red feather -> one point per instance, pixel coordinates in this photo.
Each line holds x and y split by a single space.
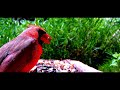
22 53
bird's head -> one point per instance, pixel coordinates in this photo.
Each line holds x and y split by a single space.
43 37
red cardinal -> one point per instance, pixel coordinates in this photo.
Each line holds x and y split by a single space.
22 53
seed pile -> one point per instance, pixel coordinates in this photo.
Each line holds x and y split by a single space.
48 66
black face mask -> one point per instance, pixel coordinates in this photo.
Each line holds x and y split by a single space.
40 32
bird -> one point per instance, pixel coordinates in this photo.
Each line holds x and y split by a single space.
22 53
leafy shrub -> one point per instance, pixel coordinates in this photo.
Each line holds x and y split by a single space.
113 65
77 38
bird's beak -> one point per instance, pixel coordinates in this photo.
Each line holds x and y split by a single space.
46 38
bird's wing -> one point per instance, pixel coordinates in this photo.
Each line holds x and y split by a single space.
10 50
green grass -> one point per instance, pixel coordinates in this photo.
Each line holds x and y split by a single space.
74 38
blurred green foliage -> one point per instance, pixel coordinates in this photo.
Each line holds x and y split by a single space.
74 38
113 65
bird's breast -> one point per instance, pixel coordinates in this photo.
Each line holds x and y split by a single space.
36 53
